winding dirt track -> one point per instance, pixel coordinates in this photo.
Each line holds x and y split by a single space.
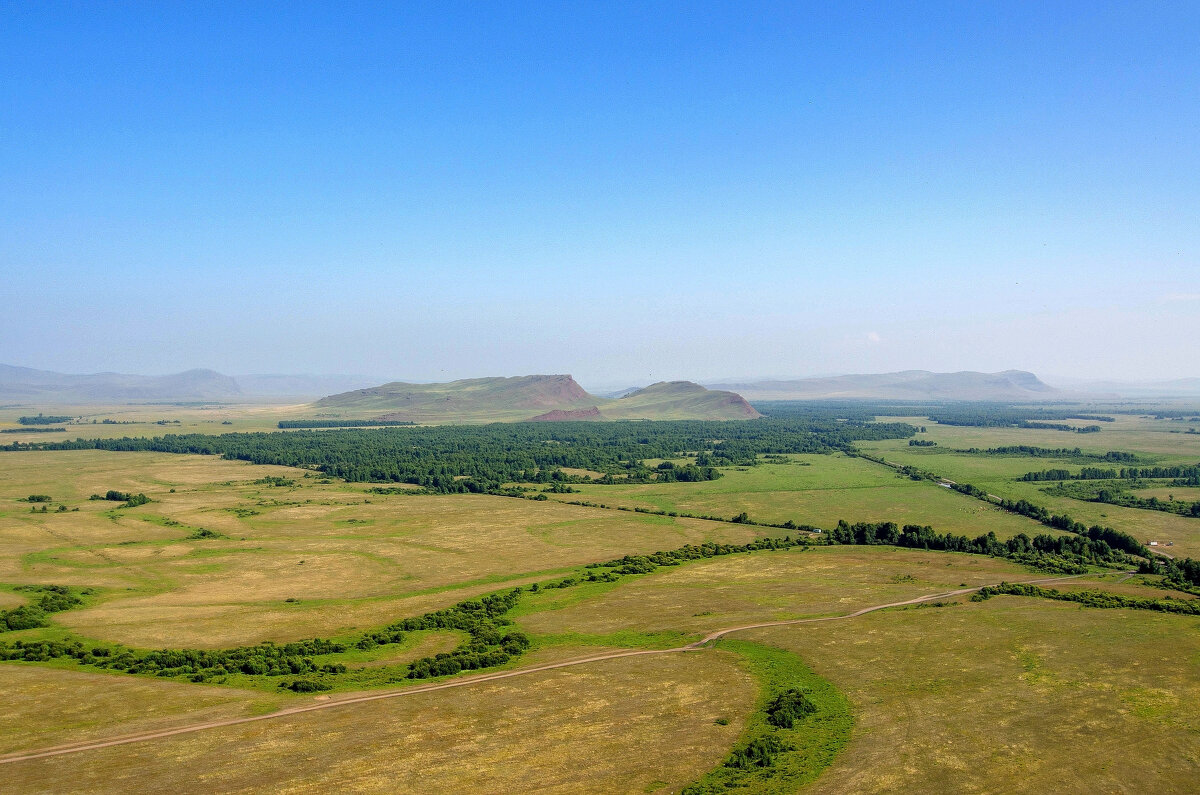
73 748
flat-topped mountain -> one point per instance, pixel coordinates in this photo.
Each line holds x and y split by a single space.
532 397
906 385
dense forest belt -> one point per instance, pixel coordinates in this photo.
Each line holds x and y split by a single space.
701 644
480 458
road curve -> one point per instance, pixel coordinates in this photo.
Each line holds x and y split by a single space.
73 748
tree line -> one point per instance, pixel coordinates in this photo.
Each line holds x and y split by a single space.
1114 456
341 423
1111 493
1092 598
1184 475
44 419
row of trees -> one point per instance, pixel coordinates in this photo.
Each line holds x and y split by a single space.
1186 475
1114 456
1117 539
293 424
1092 598
1117 494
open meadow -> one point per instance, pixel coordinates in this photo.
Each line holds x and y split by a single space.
914 684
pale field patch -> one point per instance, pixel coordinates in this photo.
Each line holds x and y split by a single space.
627 725
51 706
766 586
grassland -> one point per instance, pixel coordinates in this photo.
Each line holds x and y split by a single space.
818 491
1007 697
969 697
346 558
766 586
1152 439
637 725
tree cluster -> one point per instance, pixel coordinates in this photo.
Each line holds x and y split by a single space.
44 419
50 599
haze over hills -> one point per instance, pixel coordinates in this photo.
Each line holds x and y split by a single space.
24 383
542 397
1175 388
19 384
527 397
904 385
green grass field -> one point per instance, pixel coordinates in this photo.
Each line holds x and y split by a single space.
817 490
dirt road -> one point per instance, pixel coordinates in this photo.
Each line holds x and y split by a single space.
699 645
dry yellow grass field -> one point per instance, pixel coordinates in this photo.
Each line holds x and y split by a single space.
348 559
1011 695
630 725
764 586
51 706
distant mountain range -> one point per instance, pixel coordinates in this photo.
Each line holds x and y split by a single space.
532 397
24 384
529 397
905 385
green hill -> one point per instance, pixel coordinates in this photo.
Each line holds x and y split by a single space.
542 397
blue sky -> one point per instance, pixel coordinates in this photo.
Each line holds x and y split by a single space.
624 192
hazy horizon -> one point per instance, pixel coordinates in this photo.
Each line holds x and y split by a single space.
622 193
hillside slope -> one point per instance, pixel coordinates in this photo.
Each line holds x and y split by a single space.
467 400
679 400
906 385
540 397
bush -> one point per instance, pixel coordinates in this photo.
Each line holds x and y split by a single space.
306 686
759 752
789 707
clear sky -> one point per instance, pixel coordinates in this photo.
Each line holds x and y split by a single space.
623 192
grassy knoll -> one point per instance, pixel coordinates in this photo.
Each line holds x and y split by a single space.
815 490
1008 694
631 725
